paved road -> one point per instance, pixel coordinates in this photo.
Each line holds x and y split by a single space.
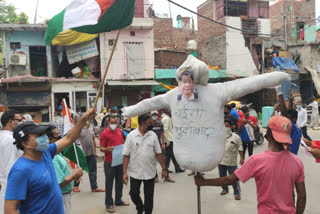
181 197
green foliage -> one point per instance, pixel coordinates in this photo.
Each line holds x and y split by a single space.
8 14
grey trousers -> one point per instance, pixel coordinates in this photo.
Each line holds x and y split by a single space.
67 203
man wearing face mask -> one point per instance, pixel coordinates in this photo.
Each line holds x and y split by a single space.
302 120
8 152
112 136
32 182
140 154
157 127
229 162
65 178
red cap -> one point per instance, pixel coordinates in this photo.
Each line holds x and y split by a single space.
280 127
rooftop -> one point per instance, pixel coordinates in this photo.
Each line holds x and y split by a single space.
22 27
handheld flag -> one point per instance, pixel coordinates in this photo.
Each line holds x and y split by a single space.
73 152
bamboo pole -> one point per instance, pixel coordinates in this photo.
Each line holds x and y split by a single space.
106 71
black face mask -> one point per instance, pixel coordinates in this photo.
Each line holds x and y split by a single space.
226 113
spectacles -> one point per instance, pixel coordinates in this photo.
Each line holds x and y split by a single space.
19 120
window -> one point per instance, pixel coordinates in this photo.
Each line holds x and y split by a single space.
132 33
38 61
300 30
135 59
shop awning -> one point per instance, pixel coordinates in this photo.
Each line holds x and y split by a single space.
132 83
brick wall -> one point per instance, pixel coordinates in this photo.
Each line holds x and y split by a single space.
303 11
186 22
169 37
318 35
169 59
213 51
211 36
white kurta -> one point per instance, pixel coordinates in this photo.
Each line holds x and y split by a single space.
8 156
198 125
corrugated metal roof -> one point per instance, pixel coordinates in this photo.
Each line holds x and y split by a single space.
22 27
131 82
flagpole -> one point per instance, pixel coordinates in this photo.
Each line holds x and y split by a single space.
74 145
106 71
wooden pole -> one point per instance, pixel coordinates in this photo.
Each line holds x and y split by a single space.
199 197
106 71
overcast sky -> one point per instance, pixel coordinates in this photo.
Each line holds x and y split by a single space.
47 9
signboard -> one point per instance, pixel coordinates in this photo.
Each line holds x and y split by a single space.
76 53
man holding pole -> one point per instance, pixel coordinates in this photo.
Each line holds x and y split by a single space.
38 195
276 172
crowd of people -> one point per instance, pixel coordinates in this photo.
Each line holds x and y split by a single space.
32 159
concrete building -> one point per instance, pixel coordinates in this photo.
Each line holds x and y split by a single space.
239 50
36 77
131 74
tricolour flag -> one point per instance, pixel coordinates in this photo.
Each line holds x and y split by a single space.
91 17
76 157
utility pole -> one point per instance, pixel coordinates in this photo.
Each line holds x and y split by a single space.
285 30
169 10
36 13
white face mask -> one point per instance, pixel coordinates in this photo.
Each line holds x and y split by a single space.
228 131
113 126
154 117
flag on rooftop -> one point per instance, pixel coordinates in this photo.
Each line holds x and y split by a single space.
87 18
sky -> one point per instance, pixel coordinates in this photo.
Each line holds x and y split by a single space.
47 9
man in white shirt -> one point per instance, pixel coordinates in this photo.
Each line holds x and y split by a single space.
168 139
302 120
8 152
140 153
315 113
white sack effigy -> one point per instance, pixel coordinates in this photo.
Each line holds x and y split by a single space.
197 113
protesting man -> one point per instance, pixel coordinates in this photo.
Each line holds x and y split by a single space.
247 126
315 113
140 152
276 172
302 120
87 140
168 139
38 195
8 152
157 127
112 136
233 118
65 177
230 159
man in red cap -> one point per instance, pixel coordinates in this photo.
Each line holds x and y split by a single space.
276 172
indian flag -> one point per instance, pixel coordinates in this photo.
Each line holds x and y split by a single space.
77 157
91 17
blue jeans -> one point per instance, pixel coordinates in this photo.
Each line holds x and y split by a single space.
223 169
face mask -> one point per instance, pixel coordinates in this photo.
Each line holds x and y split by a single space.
299 106
113 126
154 117
225 113
228 131
43 143
114 114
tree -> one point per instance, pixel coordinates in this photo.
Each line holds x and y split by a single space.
8 14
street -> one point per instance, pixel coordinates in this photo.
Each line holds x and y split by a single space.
181 197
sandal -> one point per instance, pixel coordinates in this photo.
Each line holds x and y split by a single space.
98 190
191 173
75 189
111 209
237 197
170 180
122 203
224 192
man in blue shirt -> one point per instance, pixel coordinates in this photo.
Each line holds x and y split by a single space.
32 182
